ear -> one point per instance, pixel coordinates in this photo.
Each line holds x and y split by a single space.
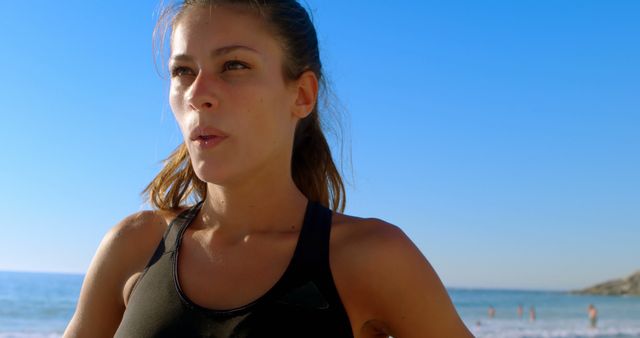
306 94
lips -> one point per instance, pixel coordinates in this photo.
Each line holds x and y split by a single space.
205 137
205 133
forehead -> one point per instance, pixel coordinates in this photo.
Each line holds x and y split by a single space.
202 28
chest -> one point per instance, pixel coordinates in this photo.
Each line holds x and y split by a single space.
231 277
286 309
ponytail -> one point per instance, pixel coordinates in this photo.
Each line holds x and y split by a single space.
312 166
175 182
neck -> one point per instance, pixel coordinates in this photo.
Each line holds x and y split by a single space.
258 205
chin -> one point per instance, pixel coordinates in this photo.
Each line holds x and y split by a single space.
212 174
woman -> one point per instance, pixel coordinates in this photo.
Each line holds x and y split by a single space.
261 254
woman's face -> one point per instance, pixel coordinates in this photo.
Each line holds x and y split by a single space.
228 94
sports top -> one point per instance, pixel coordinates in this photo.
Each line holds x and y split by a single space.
304 302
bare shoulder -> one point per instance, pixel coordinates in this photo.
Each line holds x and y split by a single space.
362 246
362 231
123 252
387 284
142 227
356 239
135 237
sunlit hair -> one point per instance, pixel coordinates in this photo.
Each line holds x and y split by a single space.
313 169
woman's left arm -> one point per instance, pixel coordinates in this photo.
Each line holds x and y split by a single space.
403 292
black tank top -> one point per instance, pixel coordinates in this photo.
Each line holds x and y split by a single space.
304 303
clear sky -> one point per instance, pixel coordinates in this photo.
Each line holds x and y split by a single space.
502 136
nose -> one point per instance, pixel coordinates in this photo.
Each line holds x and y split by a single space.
202 95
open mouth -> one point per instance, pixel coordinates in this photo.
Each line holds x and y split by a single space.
207 137
208 141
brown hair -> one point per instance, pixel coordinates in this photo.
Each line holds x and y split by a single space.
313 169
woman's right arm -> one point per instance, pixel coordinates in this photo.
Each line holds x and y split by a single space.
124 251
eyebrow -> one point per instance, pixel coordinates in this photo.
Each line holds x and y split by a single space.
216 52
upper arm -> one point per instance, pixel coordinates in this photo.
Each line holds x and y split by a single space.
124 250
402 290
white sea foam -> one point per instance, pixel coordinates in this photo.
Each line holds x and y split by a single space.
555 330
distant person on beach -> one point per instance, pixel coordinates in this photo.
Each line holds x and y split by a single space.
532 314
593 315
247 236
491 312
520 311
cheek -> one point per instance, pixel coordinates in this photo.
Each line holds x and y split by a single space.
176 104
270 123
268 109
175 99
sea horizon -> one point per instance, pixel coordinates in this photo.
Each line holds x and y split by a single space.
448 287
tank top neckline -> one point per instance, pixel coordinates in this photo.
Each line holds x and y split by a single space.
271 293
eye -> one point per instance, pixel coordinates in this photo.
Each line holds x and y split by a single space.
181 71
234 65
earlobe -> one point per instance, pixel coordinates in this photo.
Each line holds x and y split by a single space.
307 94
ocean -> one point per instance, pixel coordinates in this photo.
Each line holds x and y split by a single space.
558 314
37 305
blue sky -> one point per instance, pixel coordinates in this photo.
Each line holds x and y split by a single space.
502 136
